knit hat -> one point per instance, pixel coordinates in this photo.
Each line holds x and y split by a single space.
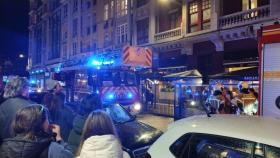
50 84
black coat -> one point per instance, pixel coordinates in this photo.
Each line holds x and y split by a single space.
8 111
19 147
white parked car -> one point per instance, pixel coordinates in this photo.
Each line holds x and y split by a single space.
220 136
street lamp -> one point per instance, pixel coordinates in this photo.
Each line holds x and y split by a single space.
21 56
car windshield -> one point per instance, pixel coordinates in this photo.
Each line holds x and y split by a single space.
117 78
118 113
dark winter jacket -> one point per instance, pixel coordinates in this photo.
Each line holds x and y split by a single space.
64 118
76 132
8 110
19 147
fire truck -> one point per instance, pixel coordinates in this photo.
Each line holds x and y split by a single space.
269 52
118 81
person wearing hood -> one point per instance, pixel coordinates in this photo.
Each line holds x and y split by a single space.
99 138
34 136
16 95
88 104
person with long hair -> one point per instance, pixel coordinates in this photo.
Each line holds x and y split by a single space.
34 137
16 96
99 138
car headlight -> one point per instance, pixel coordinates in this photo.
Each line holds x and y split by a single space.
192 103
137 107
39 90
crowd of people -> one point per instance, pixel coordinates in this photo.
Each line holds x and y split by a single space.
225 101
51 129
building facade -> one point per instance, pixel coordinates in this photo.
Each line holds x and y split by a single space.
208 35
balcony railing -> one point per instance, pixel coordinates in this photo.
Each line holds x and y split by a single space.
244 17
168 34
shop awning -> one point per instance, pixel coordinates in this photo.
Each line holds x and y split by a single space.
246 74
185 74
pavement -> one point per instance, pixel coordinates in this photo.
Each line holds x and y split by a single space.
159 122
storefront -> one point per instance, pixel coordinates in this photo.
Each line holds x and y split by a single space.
178 95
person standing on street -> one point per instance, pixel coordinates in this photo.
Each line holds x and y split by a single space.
16 95
99 138
59 113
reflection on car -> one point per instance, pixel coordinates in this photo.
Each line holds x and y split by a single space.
220 136
136 137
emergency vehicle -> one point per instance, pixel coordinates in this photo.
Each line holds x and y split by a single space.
119 81
269 52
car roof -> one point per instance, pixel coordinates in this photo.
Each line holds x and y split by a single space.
253 128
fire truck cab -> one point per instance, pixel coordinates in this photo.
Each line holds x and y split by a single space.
118 81
118 85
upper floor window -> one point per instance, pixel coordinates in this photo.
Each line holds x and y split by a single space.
65 10
112 9
74 48
206 14
175 19
75 5
88 4
234 6
106 39
75 27
199 15
249 4
122 33
88 30
94 18
142 31
122 6
65 35
106 12
94 28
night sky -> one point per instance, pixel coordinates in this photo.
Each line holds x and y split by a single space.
14 31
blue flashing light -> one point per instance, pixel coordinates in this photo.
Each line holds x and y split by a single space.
37 71
96 63
99 62
108 62
110 96
41 71
196 94
98 67
189 91
32 72
129 95
97 91
57 70
32 81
